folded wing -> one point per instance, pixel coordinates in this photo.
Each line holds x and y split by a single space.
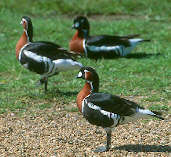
112 103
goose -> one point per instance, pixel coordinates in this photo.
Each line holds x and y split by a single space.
42 57
100 45
104 109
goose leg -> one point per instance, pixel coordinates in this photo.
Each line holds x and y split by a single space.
108 132
40 82
46 83
98 131
107 147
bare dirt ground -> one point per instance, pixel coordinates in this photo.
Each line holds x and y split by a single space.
55 132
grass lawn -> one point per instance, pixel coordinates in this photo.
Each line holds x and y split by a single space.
144 75
33 123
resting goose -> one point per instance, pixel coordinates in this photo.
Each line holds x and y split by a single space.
106 110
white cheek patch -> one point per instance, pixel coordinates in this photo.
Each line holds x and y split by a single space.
80 74
77 24
22 21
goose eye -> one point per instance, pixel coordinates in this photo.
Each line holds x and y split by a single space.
25 24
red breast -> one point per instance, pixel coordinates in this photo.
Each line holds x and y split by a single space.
76 43
21 42
82 94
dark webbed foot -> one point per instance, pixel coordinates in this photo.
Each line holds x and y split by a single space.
39 83
98 131
107 147
101 149
43 81
46 82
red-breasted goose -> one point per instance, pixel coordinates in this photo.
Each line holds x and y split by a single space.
106 110
100 45
42 57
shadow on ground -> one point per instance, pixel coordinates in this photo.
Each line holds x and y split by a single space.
69 94
144 148
58 93
51 93
142 55
130 56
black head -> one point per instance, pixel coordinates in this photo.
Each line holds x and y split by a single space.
90 75
81 23
27 25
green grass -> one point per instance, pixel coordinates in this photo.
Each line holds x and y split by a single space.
158 9
147 72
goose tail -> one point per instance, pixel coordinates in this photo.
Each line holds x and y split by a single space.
150 113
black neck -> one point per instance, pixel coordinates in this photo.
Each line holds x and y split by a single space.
94 86
84 33
29 32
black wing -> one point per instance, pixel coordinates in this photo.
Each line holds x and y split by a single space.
112 103
48 49
131 36
106 40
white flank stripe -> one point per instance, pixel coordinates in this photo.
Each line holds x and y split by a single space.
82 110
66 64
84 102
91 85
109 114
115 117
45 60
33 56
21 50
119 49
91 105
54 66
104 48
84 47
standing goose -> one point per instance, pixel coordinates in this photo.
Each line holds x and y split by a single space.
106 110
42 57
101 45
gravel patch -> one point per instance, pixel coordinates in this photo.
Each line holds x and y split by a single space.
56 133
